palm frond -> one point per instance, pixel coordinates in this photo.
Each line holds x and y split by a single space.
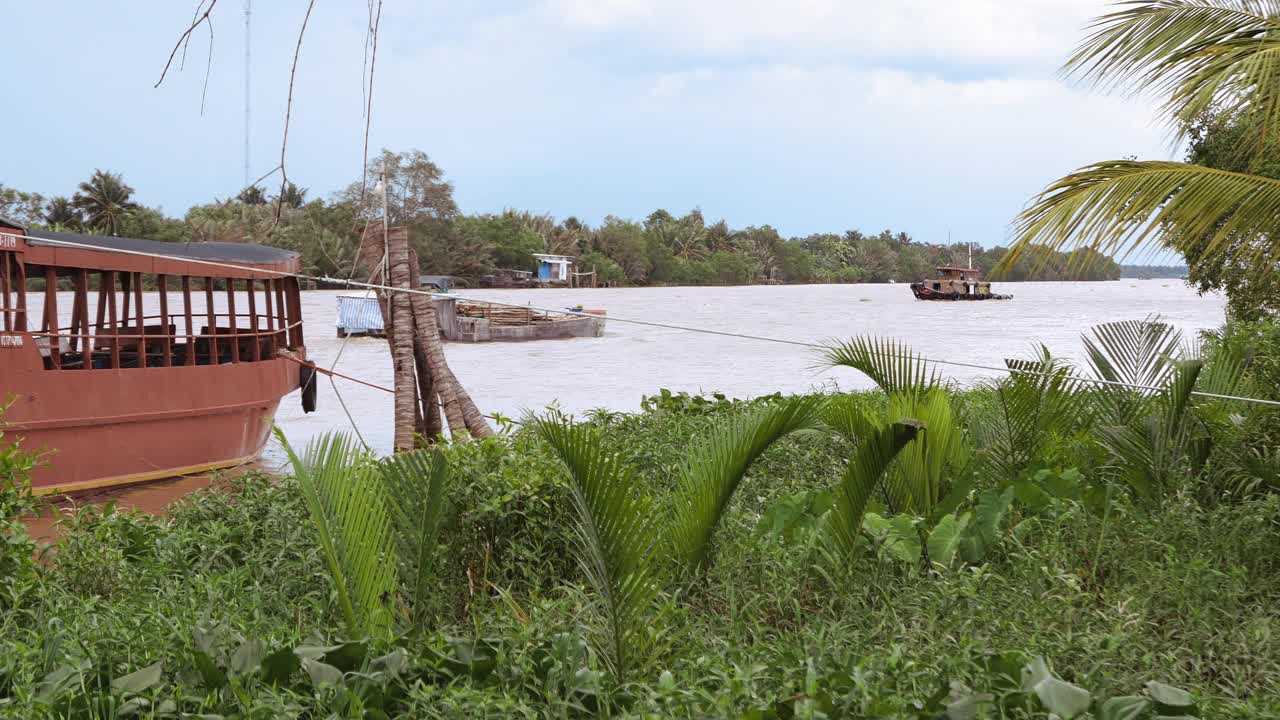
715 469
846 417
416 483
1148 448
916 483
1015 422
1133 352
349 511
1198 55
889 363
616 537
866 469
1118 206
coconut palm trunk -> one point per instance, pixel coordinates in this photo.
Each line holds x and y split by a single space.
460 410
411 317
401 328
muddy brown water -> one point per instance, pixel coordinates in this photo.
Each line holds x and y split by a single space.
615 371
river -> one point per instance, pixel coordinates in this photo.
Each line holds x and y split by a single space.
631 361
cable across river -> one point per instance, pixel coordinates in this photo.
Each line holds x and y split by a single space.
347 282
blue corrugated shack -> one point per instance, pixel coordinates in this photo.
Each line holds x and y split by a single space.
553 269
359 315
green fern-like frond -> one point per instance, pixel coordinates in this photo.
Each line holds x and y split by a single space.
1149 448
865 471
617 535
1024 411
917 482
890 364
416 484
715 469
847 416
348 509
1131 352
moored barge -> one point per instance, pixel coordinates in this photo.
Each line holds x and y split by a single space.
108 389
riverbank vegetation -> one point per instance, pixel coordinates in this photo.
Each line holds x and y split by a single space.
660 249
1034 545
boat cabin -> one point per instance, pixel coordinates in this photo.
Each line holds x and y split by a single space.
135 359
959 280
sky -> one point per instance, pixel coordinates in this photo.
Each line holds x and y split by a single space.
925 116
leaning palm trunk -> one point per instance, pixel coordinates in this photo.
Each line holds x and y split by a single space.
457 404
411 317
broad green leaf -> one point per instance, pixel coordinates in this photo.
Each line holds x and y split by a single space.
1169 699
279 666
944 539
247 657
322 673
969 707
1057 696
139 680
984 532
1124 707
212 677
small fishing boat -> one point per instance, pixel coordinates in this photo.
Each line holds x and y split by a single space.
110 387
954 282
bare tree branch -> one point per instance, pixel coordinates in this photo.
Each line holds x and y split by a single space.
185 37
288 111
368 113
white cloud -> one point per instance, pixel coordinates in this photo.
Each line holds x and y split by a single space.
983 31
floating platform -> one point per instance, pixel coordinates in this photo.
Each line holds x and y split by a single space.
471 321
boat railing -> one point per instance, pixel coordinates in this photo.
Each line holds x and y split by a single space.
121 346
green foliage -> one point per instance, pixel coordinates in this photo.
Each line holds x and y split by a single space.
104 200
225 607
348 509
416 485
15 501
864 472
1026 413
889 363
618 537
1201 58
716 467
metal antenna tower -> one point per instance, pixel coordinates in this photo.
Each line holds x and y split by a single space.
248 11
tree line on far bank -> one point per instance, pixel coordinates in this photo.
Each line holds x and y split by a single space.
662 248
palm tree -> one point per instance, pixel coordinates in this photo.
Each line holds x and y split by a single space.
1198 57
104 201
62 214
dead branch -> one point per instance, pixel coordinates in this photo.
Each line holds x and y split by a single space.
368 113
186 36
288 111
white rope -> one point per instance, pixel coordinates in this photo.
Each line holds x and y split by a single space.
648 323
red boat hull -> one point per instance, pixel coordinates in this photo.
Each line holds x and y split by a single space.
106 427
